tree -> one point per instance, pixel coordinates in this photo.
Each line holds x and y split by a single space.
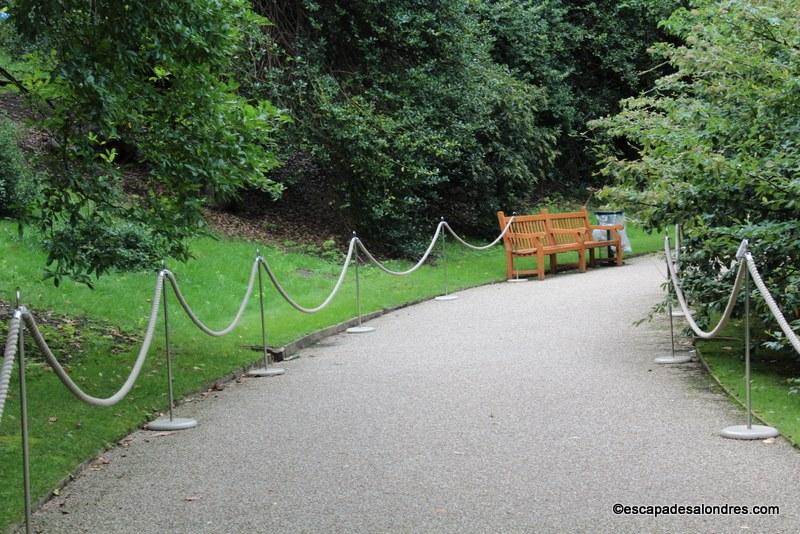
402 105
586 55
143 81
714 146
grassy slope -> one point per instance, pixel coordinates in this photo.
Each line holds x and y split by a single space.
66 432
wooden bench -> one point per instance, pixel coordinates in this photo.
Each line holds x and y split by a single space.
549 234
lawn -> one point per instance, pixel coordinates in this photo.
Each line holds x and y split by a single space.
65 432
775 396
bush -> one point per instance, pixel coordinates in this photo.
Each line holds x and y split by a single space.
714 146
402 104
18 185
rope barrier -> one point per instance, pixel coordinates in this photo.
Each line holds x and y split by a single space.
419 264
126 387
8 358
439 227
773 307
328 299
193 317
23 315
483 247
726 315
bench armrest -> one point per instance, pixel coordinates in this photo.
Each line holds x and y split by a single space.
606 227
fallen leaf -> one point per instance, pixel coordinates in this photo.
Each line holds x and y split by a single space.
769 440
192 498
52 419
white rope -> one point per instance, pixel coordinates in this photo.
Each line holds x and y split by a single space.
30 321
327 300
484 247
227 330
422 260
773 307
726 315
8 357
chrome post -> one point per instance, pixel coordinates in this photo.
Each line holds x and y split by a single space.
23 410
166 349
172 422
672 358
444 253
748 431
747 349
266 370
358 282
446 295
267 359
358 329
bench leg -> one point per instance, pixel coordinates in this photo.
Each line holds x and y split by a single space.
592 260
553 264
582 261
509 265
619 253
540 264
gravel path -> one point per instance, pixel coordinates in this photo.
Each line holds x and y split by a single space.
517 408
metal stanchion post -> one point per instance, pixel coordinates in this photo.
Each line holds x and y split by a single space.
748 431
360 329
516 278
170 423
678 239
446 295
672 358
266 370
23 421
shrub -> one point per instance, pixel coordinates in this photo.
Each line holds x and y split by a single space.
18 184
714 146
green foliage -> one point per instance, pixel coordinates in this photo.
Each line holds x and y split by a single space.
145 82
403 105
451 108
715 145
585 55
18 184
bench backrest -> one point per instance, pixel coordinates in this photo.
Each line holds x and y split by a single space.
565 221
523 224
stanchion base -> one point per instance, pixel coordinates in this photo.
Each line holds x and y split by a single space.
176 423
266 371
515 280
754 432
446 297
359 329
679 313
673 359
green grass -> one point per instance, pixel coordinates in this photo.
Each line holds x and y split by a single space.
770 372
65 432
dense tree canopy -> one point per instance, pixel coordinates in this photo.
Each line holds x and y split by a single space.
457 108
405 110
715 144
145 81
